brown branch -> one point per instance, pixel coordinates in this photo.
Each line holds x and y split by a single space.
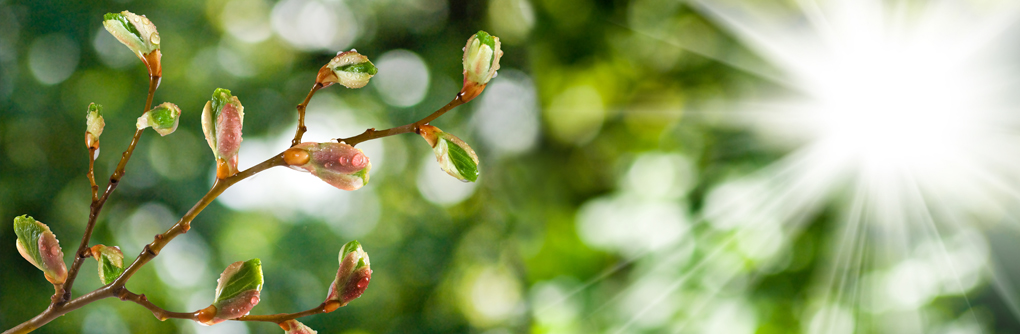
97 204
408 128
56 310
281 317
157 311
148 253
92 174
301 129
151 250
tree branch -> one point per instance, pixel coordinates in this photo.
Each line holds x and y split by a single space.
408 128
301 129
97 204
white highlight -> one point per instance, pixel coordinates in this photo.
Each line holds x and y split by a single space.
403 78
900 104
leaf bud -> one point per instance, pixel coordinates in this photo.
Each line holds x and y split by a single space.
481 60
222 119
296 327
349 68
111 262
94 124
138 34
454 156
237 292
341 165
40 247
351 279
163 118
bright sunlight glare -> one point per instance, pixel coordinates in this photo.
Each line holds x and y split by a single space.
899 118
899 110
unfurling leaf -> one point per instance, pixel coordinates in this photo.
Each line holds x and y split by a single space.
454 156
94 124
237 292
40 247
340 165
138 34
481 60
296 327
163 118
111 262
352 277
350 69
222 119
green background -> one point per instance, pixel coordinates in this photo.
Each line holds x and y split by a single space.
601 105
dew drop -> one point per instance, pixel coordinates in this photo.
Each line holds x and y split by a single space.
154 38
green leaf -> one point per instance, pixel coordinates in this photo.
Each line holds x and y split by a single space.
163 117
487 39
365 67
247 277
220 98
120 18
110 270
29 231
460 158
95 110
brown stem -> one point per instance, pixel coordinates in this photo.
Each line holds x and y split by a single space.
281 317
92 175
97 205
301 129
56 310
407 128
148 252
184 224
157 311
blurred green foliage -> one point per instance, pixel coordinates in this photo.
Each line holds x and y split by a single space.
586 90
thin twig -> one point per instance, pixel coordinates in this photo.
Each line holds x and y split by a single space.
92 175
407 128
97 205
278 318
148 253
301 129
157 311
151 250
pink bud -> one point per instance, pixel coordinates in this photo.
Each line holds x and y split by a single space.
40 247
296 327
340 165
352 277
